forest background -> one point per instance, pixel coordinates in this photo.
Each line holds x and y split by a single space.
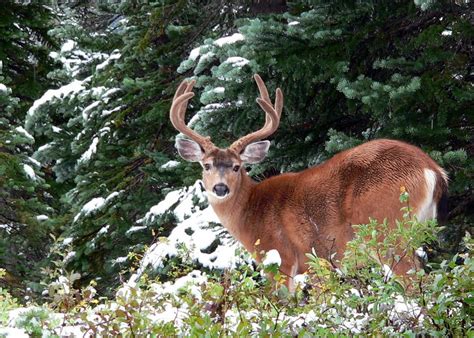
90 181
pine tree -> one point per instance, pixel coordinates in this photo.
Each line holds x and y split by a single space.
350 72
106 132
25 205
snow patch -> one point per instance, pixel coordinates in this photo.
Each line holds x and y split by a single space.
170 164
421 253
104 230
91 206
22 131
229 39
68 46
195 53
13 332
3 88
68 240
193 233
237 61
95 204
108 112
219 90
272 257
91 151
42 218
85 112
114 56
29 172
66 90
135 229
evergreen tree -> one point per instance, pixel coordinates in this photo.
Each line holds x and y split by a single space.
106 131
350 72
25 204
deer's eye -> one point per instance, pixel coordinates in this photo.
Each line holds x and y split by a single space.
236 168
207 166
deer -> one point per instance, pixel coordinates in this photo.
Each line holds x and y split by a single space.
314 209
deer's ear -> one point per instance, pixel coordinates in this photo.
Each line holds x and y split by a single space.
189 150
255 152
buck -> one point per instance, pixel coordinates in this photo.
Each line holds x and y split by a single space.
313 209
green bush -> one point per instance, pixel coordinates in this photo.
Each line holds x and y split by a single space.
362 296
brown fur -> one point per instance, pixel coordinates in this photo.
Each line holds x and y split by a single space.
317 207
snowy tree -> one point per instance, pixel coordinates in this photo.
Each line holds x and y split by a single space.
349 73
105 132
25 204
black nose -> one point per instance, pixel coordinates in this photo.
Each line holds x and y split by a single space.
221 189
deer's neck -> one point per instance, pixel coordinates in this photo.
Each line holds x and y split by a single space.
231 211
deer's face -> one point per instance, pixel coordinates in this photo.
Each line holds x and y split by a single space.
221 174
222 168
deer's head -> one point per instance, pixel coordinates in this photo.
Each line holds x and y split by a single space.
223 168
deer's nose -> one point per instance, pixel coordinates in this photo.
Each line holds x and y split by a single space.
221 189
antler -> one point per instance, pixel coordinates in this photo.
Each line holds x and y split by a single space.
272 116
178 109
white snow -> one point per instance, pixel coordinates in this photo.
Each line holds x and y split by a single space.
13 332
112 196
404 309
388 273
104 230
8 227
68 46
66 90
157 210
421 253
237 61
3 88
110 91
300 280
108 112
22 131
35 162
229 39
42 217
85 112
44 147
95 204
114 56
272 257
193 233
85 157
119 260
219 90
70 255
293 23
68 240
91 206
135 229
170 164
194 53
56 129
29 172
447 33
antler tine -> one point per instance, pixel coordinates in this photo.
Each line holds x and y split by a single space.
272 116
177 111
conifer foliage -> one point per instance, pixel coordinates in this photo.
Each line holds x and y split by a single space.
25 203
89 176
